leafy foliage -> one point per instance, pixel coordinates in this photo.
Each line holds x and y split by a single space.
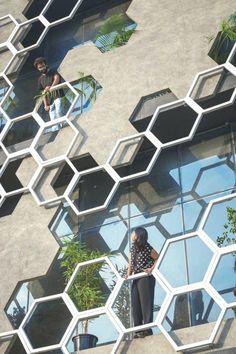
223 42
87 288
17 316
114 33
228 238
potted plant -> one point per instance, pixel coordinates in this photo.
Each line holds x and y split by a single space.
87 290
114 32
224 40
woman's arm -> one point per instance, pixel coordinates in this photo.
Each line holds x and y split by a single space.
129 270
154 256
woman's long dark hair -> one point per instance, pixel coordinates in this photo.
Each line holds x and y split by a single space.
142 237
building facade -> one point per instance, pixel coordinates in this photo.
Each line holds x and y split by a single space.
145 137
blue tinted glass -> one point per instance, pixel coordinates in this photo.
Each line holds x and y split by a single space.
224 279
191 309
206 167
214 226
173 265
197 250
180 265
160 226
160 189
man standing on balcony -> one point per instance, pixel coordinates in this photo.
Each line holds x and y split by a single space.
52 99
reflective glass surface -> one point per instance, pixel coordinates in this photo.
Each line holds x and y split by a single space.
180 265
48 323
192 309
224 278
99 326
216 221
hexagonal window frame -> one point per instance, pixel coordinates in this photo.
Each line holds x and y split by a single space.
9 126
18 32
36 180
59 124
188 289
4 167
29 314
179 239
156 320
60 20
205 217
87 316
109 300
106 168
223 253
203 76
175 105
157 146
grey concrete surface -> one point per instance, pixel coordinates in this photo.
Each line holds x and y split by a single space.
168 49
27 248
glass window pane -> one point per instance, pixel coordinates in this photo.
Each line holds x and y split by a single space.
207 165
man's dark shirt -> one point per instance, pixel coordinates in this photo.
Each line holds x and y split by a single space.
46 80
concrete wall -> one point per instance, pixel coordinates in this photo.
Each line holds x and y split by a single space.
167 50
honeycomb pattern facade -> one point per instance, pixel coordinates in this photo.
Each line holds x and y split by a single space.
48 165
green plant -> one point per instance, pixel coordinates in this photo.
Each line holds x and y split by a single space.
87 289
114 32
228 238
223 41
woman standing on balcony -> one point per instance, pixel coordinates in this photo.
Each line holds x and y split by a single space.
142 259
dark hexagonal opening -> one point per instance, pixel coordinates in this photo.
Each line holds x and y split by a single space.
53 181
83 163
133 156
20 134
18 173
27 291
9 205
92 190
174 123
28 34
14 347
34 8
48 323
213 88
9 179
59 9
146 107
